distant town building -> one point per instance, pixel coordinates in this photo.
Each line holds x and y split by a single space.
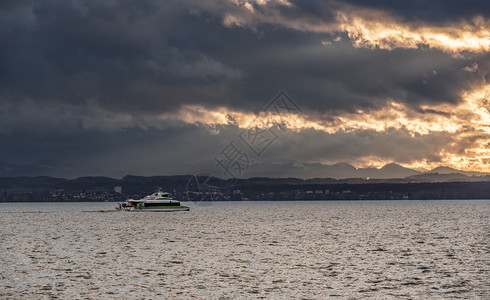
118 189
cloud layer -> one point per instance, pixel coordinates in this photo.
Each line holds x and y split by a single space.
403 82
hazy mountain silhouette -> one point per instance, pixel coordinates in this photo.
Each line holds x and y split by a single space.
444 170
447 170
395 171
289 168
438 177
278 168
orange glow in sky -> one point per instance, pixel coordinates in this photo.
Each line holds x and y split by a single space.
468 122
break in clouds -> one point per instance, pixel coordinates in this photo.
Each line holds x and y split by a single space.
160 87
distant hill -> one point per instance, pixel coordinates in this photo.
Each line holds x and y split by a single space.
444 170
437 177
395 171
448 177
422 186
447 170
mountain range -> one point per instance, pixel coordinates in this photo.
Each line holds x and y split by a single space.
282 168
290 168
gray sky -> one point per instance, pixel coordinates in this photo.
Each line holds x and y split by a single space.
162 87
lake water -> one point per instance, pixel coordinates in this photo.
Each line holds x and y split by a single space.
250 250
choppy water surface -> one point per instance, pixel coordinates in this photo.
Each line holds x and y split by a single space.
272 250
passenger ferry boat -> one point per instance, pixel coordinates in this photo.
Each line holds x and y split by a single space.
158 201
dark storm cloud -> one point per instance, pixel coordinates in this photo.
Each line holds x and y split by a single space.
114 52
173 151
86 81
340 77
394 145
148 56
132 151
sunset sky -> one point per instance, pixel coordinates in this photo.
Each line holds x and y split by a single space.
163 87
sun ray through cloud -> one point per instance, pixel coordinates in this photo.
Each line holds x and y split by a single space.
468 121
